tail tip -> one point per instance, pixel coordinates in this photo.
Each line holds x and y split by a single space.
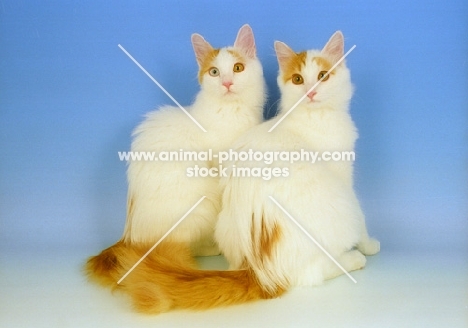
102 268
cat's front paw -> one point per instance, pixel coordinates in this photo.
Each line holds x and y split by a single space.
359 261
356 261
370 246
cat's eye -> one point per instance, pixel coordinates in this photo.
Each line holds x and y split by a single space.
213 71
322 74
238 67
297 79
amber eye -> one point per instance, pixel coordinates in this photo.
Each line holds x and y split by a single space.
322 74
238 67
213 71
297 79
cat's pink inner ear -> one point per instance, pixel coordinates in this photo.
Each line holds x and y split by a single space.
284 54
335 47
245 40
201 47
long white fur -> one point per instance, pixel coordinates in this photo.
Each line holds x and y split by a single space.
319 196
160 193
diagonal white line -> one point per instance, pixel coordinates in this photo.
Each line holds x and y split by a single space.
160 240
162 88
312 238
311 89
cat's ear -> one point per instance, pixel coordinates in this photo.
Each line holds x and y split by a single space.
334 48
201 47
245 40
284 54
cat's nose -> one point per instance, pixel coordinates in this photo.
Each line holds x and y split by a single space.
311 94
227 84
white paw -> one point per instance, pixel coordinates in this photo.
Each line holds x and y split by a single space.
353 260
369 246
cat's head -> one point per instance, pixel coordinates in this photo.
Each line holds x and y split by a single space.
299 72
230 73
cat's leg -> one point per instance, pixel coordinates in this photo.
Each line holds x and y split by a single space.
311 275
350 261
366 245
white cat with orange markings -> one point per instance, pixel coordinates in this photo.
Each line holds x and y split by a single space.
252 231
230 101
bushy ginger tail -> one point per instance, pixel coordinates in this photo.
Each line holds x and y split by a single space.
167 279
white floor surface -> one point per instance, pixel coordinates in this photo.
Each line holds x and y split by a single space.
47 289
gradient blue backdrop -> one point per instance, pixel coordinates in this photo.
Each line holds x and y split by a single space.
69 99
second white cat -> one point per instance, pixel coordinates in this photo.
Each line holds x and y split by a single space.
252 231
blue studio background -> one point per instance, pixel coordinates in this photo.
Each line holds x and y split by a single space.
69 99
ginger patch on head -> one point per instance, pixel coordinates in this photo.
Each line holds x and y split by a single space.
294 65
323 63
236 55
207 63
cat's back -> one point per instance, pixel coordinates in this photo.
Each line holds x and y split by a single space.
167 128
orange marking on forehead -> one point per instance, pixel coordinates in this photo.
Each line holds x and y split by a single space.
207 63
236 55
323 63
294 65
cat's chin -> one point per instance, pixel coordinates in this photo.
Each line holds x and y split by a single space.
230 95
312 103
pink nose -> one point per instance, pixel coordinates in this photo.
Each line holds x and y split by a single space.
227 84
311 94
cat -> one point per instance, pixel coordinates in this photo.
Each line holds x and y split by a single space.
252 231
230 101
268 254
